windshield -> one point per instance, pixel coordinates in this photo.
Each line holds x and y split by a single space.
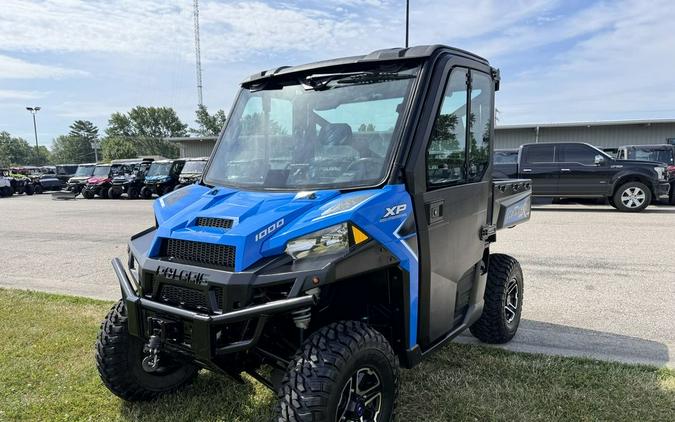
84 171
649 154
506 157
101 171
194 167
159 169
332 131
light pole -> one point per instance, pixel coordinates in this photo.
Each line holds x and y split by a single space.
33 111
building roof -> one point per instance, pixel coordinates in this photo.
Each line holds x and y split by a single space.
191 138
588 124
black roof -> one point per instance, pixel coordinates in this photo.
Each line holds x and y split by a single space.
386 55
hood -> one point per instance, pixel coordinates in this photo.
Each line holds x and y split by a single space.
262 222
638 163
80 179
97 180
157 178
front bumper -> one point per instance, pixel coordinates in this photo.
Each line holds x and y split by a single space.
662 190
143 314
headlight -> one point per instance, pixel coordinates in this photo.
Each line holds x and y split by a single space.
331 240
661 172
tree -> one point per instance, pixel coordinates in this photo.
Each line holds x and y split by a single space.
114 148
72 149
208 124
17 151
146 128
44 156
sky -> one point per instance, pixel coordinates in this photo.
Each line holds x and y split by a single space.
560 60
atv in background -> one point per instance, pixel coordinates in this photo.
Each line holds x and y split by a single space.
79 179
18 183
192 171
5 184
132 182
162 177
101 180
42 178
65 171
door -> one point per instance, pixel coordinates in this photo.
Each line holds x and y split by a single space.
538 163
451 201
579 175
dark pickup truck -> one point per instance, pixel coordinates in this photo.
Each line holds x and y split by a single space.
663 153
578 170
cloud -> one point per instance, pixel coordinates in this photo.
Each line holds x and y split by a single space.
13 68
9 94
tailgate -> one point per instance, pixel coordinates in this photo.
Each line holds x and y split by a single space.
512 200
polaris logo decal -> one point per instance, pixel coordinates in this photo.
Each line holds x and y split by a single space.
264 233
394 212
189 277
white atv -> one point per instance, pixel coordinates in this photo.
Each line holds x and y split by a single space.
5 184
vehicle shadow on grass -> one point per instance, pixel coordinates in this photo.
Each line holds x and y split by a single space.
562 340
211 397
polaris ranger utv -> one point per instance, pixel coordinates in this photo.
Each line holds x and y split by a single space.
192 171
162 177
76 183
101 179
132 182
342 229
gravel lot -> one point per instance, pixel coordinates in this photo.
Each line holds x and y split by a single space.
599 283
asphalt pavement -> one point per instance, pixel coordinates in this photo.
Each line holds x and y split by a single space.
598 283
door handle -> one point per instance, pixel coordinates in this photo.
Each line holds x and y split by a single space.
565 170
527 170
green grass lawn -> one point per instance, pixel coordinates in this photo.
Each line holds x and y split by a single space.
47 372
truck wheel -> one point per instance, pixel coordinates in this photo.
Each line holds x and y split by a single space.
119 359
503 301
146 192
87 194
345 371
632 197
114 193
29 189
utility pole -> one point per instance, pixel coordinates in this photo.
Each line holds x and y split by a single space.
198 53
407 21
33 111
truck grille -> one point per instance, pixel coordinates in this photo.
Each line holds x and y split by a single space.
221 223
200 252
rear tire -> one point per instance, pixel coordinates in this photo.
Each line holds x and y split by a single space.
632 197
118 360
503 301
37 189
5 191
28 189
132 194
103 193
87 194
340 370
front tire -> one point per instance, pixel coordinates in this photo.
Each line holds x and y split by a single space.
344 371
114 193
87 194
37 189
29 189
118 360
632 197
146 192
503 301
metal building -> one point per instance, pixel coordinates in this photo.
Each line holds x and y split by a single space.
601 134
610 134
194 146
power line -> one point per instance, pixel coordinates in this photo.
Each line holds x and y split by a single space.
198 53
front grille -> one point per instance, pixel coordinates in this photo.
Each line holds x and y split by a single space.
221 223
184 297
200 252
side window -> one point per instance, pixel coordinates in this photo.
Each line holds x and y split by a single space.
446 152
539 154
480 125
577 154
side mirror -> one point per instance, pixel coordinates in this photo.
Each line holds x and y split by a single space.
599 160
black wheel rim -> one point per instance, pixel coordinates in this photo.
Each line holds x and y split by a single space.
511 303
361 397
